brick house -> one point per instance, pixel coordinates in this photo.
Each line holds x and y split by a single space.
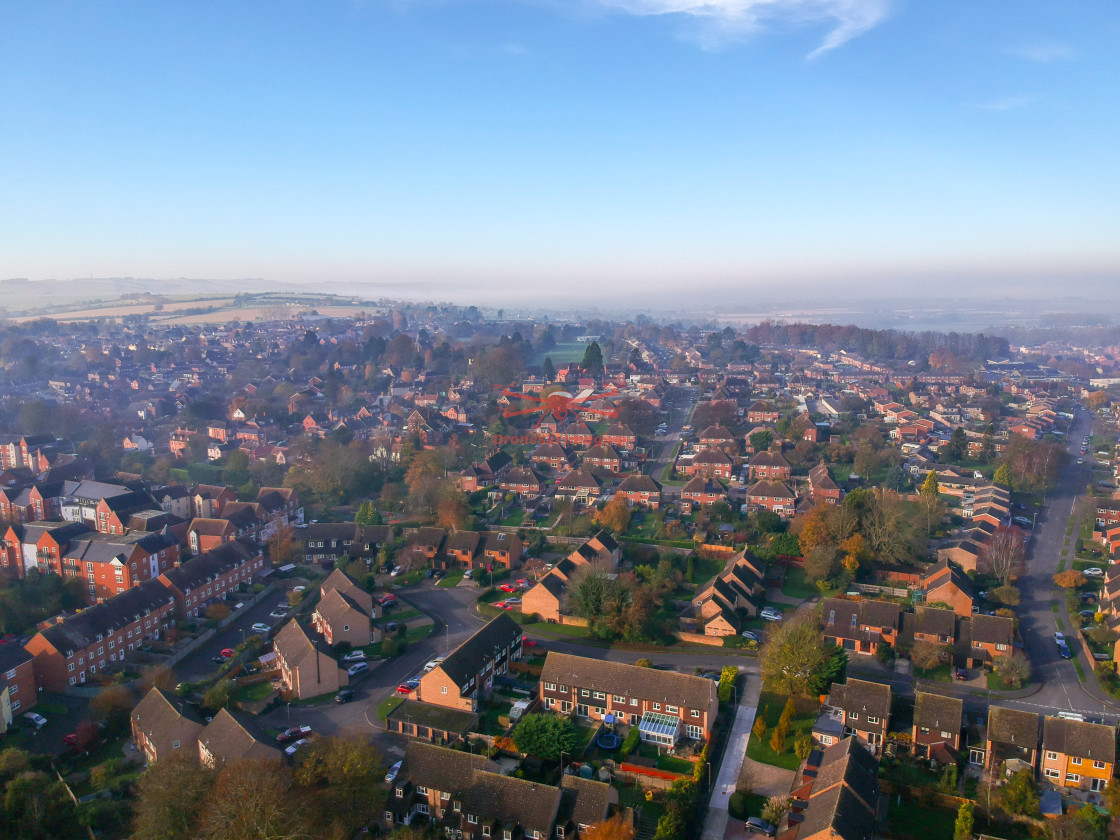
554 455
604 456
770 466
466 795
231 737
739 586
307 668
576 434
865 709
822 487
703 491
712 463
68 650
838 799
207 534
988 638
641 490
344 612
467 673
163 726
580 484
209 577
1012 736
522 482
775 497
945 583
545 598
17 677
761 412
665 705
717 437
1077 754
936 626
860 626
621 436
937 726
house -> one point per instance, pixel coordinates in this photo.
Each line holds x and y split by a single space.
769 465
865 710
761 412
838 798
1078 754
202 580
937 726
206 534
664 705
601 548
990 637
945 583
344 612
522 482
860 626
711 463
467 673
604 456
740 586
163 725
964 552
71 649
467 796
936 626
641 490
703 492
775 497
822 487
1012 738
17 680
307 668
231 737
555 456
717 437
580 484
545 598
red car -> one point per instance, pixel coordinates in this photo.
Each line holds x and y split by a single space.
525 640
71 739
227 652
505 587
404 688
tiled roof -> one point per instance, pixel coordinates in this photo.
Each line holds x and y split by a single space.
939 712
616 678
472 655
1012 726
1079 739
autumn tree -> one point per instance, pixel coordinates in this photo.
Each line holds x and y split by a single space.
338 768
791 654
1014 669
930 487
615 828
887 529
281 546
157 676
1003 553
926 655
451 512
217 611
254 800
112 704
1002 475
168 796
614 516
1069 579
814 529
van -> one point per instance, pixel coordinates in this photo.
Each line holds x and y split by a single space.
1072 716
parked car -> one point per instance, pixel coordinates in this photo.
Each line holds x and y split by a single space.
357 668
505 587
770 614
961 673
355 656
390 627
260 627
1087 613
344 696
431 666
1059 638
218 660
1093 571
757 825
527 642
512 601
1064 651
407 687
391 776
294 748
227 653
396 571
387 601
752 636
35 718
438 573
292 733
278 614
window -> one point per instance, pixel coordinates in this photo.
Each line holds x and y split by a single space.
101 651
1001 647
420 789
1075 761
832 616
1098 765
550 686
583 692
1051 773
925 730
947 736
694 732
657 707
174 745
400 793
617 699
1098 785
853 716
456 805
472 819
70 667
672 709
345 627
696 713
389 816
421 807
599 695
443 689
853 621
872 719
16 704
1051 756
486 831
1073 777
563 688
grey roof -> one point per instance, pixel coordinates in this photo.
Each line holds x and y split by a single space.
939 712
440 768
862 696
584 802
210 565
617 678
80 630
1079 738
472 655
849 762
838 810
1012 726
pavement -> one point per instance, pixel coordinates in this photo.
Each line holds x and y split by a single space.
717 817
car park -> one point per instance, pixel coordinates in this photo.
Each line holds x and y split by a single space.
1093 571
294 748
757 825
355 656
260 627
391 776
344 695
357 668
292 733
36 719
770 614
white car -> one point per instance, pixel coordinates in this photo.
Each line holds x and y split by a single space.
278 614
355 656
1059 639
294 748
435 663
35 718
396 571
1094 571
260 627
391 776
771 614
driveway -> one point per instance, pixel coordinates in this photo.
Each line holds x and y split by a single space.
197 665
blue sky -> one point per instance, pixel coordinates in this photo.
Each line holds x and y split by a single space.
554 148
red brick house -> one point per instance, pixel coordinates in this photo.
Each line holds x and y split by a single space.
579 484
711 463
860 626
641 490
937 726
703 491
989 637
945 583
552 454
621 436
522 482
769 466
604 456
821 485
865 709
761 412
467 674
17 677
210 576
775 497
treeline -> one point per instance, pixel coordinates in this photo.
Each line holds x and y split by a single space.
878 345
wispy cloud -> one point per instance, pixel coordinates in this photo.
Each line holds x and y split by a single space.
1003 103
1043 52
731 19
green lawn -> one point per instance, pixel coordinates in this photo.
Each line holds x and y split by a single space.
942 673
672 764
910 819
452 578
415 634
387 705
797 585
398 616
770 707
254 693
564 351
515 518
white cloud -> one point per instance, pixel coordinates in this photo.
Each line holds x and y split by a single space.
736 18
1043 52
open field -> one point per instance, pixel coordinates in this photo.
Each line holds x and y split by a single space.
224 311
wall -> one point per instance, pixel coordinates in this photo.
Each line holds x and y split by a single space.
699 639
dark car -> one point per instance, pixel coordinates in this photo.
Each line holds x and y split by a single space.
1064 652
344 696
961 673
757 825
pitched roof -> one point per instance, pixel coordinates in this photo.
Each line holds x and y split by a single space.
231 737
993 629
81 629
1012 726
158 710
585 802
850 763
638 483
210 565
345 585
1079 738
472 655
862 696
617 678
440 768
935 621
939 712
840 811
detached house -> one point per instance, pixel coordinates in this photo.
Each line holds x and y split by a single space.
307 668
1077 754
865 709
344 612
822 487
774 496
231 737
467 673
936 626
860 626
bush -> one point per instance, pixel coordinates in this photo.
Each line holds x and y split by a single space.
737 805
389 647
631 742
727 679
644 663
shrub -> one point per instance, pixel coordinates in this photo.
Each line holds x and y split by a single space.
644 663
631 742
803 746
737 805
759 728
727 679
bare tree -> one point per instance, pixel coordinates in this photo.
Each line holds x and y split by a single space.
1003 553
887 528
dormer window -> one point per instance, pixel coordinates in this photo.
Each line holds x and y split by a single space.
472 819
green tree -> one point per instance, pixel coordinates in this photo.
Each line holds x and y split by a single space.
367 515
761 440
592 359
545 736
957 446
338 769
168 796
962 830
548 369
803 745
833 667
930 487
792 653
1002 475
775 808
1020 794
